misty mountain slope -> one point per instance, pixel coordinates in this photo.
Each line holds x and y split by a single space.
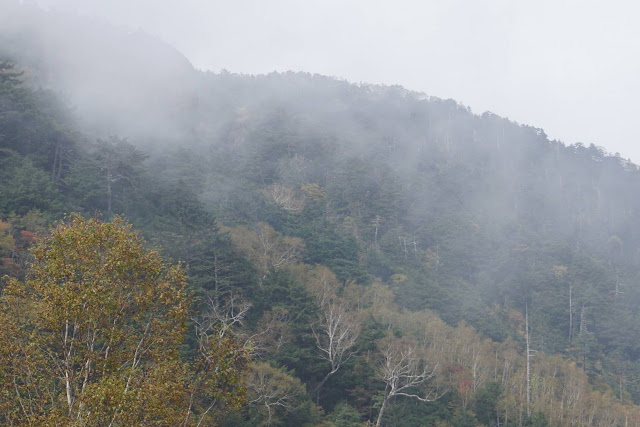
471 216
429 175
106 72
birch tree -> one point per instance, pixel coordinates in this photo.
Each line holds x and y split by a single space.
272 391
338 327
97 331
266 248
404 371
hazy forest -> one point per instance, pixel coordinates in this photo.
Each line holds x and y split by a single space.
180 247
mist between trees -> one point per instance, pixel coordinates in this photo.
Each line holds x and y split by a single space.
372 254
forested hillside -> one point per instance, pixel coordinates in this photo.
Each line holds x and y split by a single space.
379 255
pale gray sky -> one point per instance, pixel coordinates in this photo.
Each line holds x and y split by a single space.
571 67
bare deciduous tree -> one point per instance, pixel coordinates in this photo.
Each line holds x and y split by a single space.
272 333
274 390
285 197
267 248
336 335
338 326
405 372
221 316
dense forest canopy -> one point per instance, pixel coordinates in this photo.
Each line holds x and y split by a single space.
379 255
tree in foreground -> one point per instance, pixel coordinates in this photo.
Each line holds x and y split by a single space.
97 332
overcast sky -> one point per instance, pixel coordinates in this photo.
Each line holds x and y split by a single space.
569 67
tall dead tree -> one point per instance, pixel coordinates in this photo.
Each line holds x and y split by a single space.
529 356
118 161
